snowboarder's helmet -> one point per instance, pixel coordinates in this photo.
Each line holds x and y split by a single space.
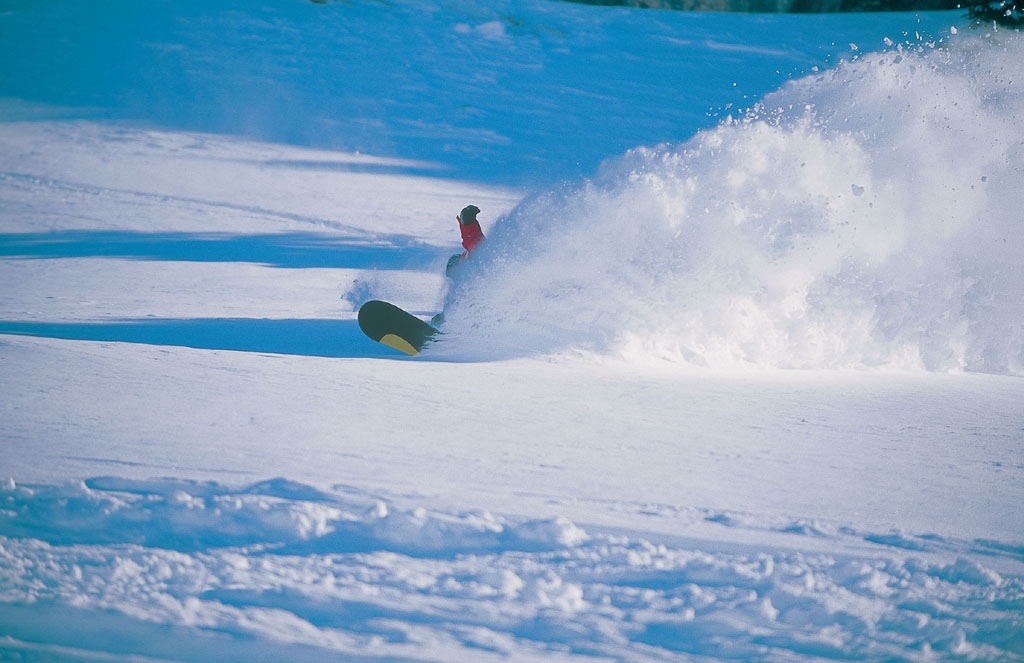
468 214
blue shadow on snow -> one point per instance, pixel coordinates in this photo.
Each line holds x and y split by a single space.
314 338
286 250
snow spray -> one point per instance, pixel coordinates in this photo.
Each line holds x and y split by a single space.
871 215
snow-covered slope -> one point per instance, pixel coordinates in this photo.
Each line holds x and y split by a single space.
751 393
504 91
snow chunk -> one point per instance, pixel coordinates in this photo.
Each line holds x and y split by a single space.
969 572
491 30
547 534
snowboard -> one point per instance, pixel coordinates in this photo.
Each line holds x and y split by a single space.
395 328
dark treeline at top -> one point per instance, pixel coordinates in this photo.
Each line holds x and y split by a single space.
1009 13
1005 12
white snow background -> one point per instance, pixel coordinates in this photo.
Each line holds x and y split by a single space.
737 374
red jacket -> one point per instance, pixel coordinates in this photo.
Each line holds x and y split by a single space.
472 235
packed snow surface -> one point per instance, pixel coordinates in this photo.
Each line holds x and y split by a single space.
737 374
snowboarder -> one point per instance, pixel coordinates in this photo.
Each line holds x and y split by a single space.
472 235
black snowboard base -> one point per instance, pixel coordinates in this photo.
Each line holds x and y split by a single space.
395 328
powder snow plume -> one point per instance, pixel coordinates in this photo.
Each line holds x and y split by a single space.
866 216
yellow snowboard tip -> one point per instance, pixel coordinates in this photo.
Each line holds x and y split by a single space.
399 343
